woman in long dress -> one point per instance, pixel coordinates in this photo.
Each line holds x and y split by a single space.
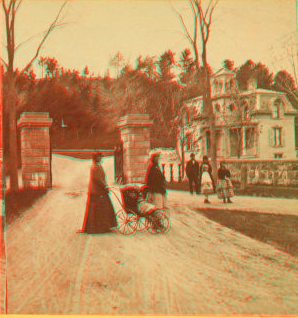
156 182
100 215
225 188
207 184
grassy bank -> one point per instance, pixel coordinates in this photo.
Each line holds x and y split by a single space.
277 230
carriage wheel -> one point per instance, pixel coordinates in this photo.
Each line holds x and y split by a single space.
159 223
142 224
126 225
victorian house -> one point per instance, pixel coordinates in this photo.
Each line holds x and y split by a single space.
256 123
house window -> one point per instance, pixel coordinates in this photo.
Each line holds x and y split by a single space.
249 142
246 113
220 86
218 138
231 108
276 137
278 156
188 143
235 135
215 87
277 109
230 84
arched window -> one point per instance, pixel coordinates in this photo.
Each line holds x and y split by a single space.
278 109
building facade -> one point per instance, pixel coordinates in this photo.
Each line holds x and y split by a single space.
256 123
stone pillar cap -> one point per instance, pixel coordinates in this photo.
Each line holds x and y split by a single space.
35 119
134 120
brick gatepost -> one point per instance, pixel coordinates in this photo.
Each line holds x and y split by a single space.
135 135
35 149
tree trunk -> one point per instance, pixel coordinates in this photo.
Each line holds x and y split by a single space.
182 160
13 144
209 108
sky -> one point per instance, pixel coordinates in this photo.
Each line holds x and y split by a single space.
96 30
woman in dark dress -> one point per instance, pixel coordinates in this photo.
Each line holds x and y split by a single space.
156 182
100 215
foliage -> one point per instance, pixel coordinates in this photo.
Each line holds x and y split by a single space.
165 63
284 82
250 70
228 64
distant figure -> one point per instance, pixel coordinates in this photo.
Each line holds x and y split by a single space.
100 215
207 184
156 182
224 185
192 173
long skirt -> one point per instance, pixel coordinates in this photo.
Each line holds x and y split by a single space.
158 200
206 183
225 189
100 215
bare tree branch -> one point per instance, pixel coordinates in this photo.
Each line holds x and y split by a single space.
38 35
51 28
4 7
183 24
5 64
17 8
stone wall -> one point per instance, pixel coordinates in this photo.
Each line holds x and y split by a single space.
273 172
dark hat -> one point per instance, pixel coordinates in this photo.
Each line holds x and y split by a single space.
96 156
192 155
155 156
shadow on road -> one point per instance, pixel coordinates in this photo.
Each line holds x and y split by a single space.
279 231
16 203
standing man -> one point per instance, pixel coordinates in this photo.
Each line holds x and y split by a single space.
192 173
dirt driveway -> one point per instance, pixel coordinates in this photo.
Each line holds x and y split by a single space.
198 267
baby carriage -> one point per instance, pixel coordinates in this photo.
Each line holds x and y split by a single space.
136 214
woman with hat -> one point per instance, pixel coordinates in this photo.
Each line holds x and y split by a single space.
156 182
100 215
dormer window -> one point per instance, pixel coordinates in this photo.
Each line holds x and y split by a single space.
277 109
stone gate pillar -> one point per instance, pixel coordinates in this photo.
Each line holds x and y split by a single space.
135 135
35 149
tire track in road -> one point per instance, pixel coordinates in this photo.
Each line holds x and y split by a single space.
46 278
41 247
78 283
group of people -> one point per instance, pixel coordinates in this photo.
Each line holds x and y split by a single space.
100 216
200 178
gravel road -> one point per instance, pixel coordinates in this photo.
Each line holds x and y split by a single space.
199 267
